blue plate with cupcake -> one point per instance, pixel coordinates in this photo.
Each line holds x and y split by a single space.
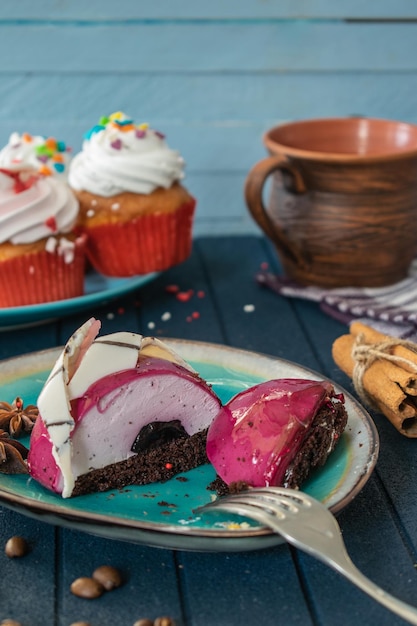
118 206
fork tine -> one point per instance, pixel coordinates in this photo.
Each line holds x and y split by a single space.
249 509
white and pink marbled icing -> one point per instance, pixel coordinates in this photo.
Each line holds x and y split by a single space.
100 394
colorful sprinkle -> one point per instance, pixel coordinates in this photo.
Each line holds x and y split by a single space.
50 143
51 224
103 121
168 466
143 126
201 294
249 308
166 316
122 126
140 134
95 129
51 149
184 296
195 315
116 144
172 289
45 170
118 115
27 137
43 149
160 135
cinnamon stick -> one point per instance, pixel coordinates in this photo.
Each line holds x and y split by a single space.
390 387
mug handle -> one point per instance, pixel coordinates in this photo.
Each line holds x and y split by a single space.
254 185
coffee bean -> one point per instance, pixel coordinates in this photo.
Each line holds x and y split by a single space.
164 621
16 547
143 622
88 588
108 576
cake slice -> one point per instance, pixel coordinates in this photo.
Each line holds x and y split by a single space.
118 410
276 432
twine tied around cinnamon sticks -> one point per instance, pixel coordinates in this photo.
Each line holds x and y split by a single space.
365 354
383 371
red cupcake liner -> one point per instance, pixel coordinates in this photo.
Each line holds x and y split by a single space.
42 276
149 243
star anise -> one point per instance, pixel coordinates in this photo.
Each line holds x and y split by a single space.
12 455
15 418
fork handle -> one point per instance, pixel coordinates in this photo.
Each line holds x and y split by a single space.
352 573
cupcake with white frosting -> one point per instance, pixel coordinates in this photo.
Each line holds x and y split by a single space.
41 256
134 209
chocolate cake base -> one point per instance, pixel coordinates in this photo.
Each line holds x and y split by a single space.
324 434
157 464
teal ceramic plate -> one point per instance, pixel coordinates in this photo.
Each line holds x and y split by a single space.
163 514
98 290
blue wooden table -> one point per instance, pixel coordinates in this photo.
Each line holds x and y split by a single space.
271 586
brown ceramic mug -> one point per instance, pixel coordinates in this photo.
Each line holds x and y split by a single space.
343 204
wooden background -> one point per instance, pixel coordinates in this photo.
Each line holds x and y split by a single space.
211 75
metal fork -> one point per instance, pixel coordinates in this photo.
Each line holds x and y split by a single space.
310 526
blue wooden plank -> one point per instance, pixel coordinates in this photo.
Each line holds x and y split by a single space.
15 341
186 106
150 583
190 9
211 581
209 47
18 574
241 328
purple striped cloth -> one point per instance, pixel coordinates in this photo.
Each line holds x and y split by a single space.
391 310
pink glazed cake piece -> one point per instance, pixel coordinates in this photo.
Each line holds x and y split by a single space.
104 401
275 433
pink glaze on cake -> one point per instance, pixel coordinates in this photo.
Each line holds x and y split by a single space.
99 396
257 434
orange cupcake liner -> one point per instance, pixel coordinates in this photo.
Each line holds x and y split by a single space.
149 243
40 277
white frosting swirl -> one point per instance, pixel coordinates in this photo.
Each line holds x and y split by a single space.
117 158
44 208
